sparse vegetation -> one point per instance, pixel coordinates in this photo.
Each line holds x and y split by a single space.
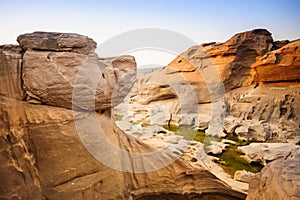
118 117
231 160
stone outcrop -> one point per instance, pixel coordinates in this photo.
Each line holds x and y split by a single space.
11 72
266 112
42 151
48 159
278 180
280 65
62 70
90 78
260 93
50 41
264 153
207 64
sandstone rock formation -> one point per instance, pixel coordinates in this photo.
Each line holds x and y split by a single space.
11 72
208 64
51 41
278 180
248 85
264 153
280 65
78 76
42 152
268 112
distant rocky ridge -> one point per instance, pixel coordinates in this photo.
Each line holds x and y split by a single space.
42 156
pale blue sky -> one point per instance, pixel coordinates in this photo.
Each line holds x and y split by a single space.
202 21
210 20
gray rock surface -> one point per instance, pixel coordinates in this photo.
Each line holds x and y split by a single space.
265 112
264 153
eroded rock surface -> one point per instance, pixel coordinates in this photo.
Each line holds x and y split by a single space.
11 71
248 85
84 80
278 180
51 41
264 153
203 66
266 112
280 65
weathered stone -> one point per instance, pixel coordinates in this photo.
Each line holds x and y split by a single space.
253 131
19 177
280 65
66 78
278 180
266 112
279 43
243 175
51 41
266 152
201 65
216 147
11 72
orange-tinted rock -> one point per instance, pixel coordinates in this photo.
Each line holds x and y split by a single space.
280 65
227 63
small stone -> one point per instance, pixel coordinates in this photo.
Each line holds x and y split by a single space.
243 175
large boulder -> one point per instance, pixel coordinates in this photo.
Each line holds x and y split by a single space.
60 69
65 78
11 72
278 180
51 41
